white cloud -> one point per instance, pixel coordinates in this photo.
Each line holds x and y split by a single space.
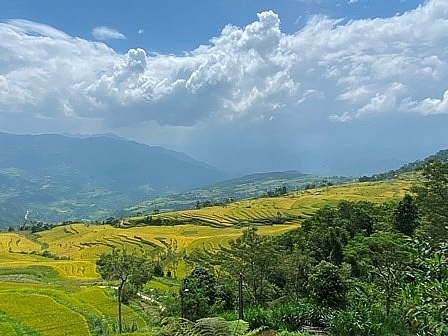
329 70
25 27
103 33
429 106
140 31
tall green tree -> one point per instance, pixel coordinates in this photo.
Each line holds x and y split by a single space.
323 236
326 285
328 231
432 198
381 258
357 217
295 268
130 270
201 295
255 257
406 216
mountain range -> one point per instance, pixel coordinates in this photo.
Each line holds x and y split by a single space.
54 178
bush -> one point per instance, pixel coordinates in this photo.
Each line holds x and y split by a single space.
106 326
292 333
326 285
293 316
289 316
158 270
258 317
371 321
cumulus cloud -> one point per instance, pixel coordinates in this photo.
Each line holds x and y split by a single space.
430 105
328 70
103 33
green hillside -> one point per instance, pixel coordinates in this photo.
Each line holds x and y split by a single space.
250 186
49 284
52 178
291 208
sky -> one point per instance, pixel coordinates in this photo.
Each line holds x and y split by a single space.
334 87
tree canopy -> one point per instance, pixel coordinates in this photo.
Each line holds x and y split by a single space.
432 198
130 270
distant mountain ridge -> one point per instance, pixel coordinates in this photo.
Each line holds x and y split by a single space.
441 155
56 177
248 186
259 185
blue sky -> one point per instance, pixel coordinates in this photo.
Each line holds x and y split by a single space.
173 26
329 86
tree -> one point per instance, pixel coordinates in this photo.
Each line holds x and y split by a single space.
255 257
295 266
327 286
131 271
199 293
252 255
406 216
381 258
325 234
357 217
432 198
427 294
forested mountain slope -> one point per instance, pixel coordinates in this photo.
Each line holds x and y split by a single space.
54 178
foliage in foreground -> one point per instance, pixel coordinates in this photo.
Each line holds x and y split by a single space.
130 270
356 268
213 326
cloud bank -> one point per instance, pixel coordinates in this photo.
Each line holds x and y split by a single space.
331 71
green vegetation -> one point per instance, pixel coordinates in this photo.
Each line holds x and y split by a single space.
247 187
287 208
130 270
365 258
354 268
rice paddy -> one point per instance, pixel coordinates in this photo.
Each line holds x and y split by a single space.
48 281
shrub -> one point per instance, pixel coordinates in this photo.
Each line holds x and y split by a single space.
289 316
371 321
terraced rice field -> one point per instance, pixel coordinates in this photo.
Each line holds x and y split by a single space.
90 241
79 245
14 242
42 296
37 309
42 275
291 208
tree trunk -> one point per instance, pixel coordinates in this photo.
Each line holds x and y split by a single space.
119 290
388 303
240 298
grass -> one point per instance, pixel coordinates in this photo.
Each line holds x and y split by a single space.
32 273
11 326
